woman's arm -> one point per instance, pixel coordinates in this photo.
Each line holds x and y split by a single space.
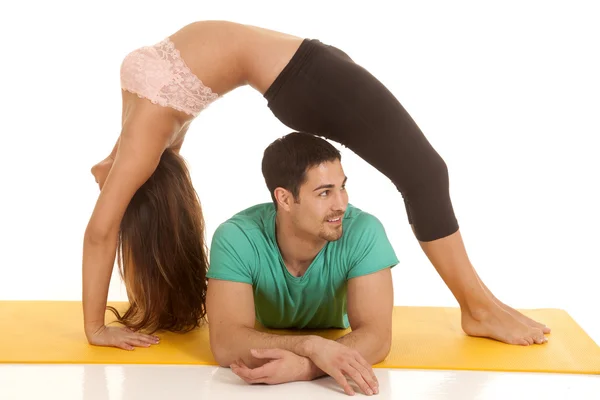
138 153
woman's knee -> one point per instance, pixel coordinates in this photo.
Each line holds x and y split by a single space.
430 177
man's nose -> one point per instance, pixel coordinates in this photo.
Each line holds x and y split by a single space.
340 202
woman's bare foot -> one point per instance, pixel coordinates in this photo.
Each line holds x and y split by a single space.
496 323
523 318
482 314
516 314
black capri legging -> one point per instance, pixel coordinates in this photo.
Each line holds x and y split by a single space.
322 91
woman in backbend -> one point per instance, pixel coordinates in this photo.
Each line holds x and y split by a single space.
148 210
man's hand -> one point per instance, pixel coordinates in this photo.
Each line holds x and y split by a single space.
337 360
284 366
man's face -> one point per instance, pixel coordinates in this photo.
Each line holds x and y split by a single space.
322 202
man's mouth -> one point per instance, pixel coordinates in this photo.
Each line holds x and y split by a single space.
335 220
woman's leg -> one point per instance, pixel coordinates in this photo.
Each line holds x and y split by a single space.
482 314
322 91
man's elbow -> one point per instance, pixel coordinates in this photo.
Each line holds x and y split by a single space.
223 360
224 348
221 354
384 348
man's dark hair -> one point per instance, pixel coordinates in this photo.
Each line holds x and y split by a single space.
286 160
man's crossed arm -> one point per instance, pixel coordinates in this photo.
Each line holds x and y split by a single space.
260 357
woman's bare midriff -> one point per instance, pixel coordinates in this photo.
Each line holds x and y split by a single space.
224 56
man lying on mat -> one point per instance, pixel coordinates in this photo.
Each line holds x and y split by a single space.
308 260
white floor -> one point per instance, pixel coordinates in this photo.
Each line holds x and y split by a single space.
148 382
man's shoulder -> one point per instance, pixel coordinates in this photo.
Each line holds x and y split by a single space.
248 222
364 246
358 219
239 243
360 228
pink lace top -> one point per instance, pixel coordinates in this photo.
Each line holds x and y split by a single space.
159 74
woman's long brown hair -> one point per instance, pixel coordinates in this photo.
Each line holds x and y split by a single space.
162 254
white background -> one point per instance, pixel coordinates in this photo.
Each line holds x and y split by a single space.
507 92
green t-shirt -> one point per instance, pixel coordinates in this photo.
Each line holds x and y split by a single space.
244 249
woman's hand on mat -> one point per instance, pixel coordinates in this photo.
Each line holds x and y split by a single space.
339 361
283 366
121 337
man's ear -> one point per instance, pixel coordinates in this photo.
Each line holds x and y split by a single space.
284 198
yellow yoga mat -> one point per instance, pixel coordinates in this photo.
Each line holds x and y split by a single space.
424 338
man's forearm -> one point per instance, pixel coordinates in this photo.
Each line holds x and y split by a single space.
239 341
371 344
